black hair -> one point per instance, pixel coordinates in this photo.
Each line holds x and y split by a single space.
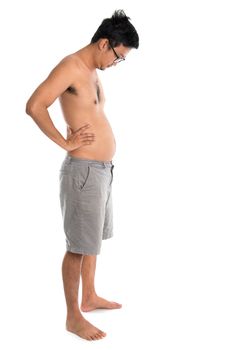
118 30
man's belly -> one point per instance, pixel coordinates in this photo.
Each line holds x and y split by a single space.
104 146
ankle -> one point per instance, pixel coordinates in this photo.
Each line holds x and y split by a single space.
74 313
87 295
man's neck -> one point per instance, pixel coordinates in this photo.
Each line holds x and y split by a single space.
86 55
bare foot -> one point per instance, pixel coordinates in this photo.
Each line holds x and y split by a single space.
95 302
81 327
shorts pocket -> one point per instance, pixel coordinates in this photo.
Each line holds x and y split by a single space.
112 174
84 177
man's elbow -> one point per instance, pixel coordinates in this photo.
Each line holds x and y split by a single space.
32 108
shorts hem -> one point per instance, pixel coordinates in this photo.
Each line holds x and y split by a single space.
82 252
107 237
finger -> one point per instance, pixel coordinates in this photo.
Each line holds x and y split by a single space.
86 137
86 142
69 131
88 133
83 128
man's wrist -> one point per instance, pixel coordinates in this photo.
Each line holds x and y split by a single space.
64 145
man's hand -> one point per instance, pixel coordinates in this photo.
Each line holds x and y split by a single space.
79 138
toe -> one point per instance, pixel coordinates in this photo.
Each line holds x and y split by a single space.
101 333
97 336
116 305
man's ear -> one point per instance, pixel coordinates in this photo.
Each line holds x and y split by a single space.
103 44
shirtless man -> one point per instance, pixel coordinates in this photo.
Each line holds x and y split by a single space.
87 172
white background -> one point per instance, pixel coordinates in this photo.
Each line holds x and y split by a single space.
170 105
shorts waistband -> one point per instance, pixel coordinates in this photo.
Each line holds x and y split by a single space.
97 163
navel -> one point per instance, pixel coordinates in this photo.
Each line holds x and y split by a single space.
98 92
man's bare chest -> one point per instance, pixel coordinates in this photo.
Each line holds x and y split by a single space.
87 89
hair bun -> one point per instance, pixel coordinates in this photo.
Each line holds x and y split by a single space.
119 16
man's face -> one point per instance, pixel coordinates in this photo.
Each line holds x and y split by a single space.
111 56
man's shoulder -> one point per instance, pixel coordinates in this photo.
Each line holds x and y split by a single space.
69 61
71 65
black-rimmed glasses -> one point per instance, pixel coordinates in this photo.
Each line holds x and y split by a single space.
118 58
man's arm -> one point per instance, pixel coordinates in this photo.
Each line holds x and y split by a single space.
60 78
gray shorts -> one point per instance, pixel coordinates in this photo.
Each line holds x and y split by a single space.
86 203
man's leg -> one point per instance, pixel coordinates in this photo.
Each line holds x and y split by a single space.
90 300
76 323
